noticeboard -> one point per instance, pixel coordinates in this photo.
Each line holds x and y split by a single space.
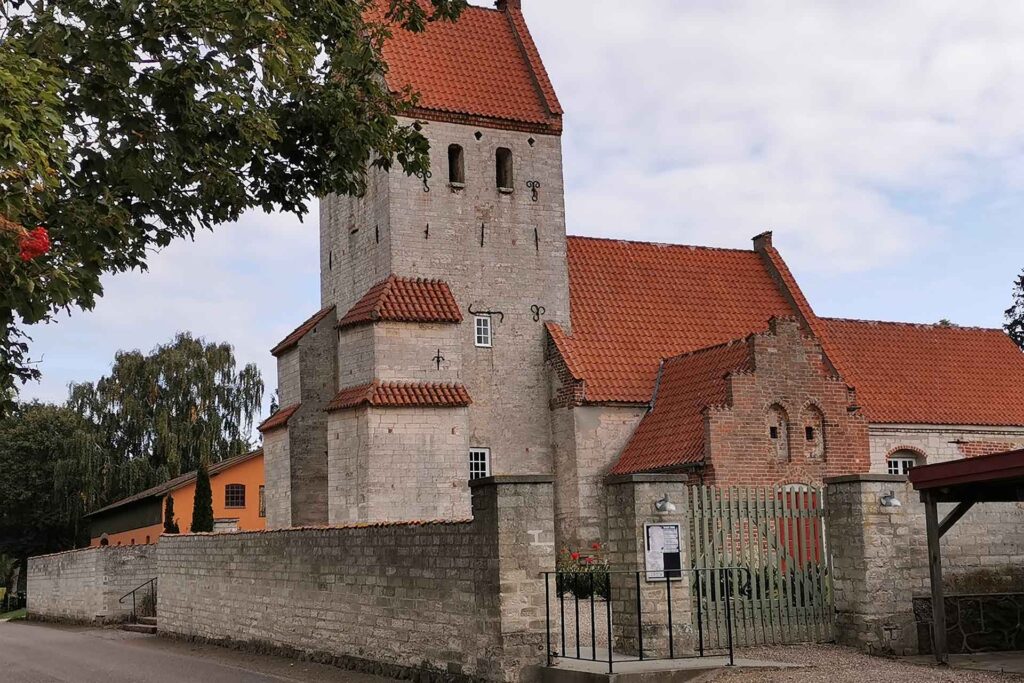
663 558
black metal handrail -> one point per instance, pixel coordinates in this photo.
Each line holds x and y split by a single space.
727 582
151 585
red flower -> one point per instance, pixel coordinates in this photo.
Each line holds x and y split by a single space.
575 556
595 546
590 560
35 243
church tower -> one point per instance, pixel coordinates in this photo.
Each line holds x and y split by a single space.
435 296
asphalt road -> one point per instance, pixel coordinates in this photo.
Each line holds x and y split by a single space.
41 653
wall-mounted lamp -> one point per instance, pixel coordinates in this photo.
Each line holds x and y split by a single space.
664 504
890 500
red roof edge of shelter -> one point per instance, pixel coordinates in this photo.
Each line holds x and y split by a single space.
278 419
994 467
301 331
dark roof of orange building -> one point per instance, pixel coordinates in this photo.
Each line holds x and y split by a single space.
401 395
930 374
635 303
672 433
484 65
174 484
279 419
405 300
301 331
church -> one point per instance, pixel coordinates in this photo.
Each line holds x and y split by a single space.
463 334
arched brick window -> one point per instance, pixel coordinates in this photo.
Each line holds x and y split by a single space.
234 496
902 461
814 433
778 432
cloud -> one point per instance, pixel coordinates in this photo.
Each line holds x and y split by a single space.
707 122
248 283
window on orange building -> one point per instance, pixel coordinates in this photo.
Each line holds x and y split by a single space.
234 496
263 501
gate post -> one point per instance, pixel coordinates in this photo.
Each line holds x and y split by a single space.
631 505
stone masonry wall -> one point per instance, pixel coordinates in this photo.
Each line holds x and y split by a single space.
85 585
289 390
390 464
588 441
939 443
462 598
789 373
880 557
278 479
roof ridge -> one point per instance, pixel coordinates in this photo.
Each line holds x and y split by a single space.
707 349
900 323
694 247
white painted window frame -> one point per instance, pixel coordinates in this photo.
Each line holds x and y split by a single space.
899 464
483 341
474 455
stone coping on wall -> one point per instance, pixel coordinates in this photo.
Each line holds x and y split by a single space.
868 478
121 548
500 479
647 479
328 527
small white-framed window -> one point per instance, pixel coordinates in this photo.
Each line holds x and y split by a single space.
901 464
479 463
482 325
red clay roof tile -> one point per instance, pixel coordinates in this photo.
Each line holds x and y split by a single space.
301 331
634 303
278 419
672 433
402 299
930 374
483 65
402 394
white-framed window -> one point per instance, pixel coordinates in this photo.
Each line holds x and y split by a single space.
482 326
479 463
901 464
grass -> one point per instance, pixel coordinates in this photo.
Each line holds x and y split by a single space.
13 616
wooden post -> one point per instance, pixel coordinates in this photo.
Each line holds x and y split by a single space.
931 516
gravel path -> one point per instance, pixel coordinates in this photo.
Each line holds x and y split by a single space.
834 664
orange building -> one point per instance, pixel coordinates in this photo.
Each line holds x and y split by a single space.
238 504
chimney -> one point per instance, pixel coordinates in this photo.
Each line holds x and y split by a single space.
506 5
763 241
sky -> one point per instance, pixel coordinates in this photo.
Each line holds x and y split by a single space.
881 142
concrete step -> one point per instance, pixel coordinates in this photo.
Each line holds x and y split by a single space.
149 621
149 629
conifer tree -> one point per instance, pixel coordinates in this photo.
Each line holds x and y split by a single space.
202 508
1015 313
170 525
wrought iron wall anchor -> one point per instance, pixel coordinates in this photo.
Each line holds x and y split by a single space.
535 186
497 313
426 181
438 359
537 311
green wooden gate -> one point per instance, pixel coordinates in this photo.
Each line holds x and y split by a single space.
781 591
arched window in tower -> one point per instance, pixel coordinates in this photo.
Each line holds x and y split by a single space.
503 159
902 461
814 433
778 432
456 165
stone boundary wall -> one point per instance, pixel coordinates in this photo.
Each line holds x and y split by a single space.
85 585
462 599
880 558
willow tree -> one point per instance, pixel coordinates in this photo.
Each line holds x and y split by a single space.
127 125
162 414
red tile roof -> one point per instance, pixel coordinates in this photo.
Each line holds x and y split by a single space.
405 300
634 303
279 419
930 374
402 394
484 65
301 331
672 433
